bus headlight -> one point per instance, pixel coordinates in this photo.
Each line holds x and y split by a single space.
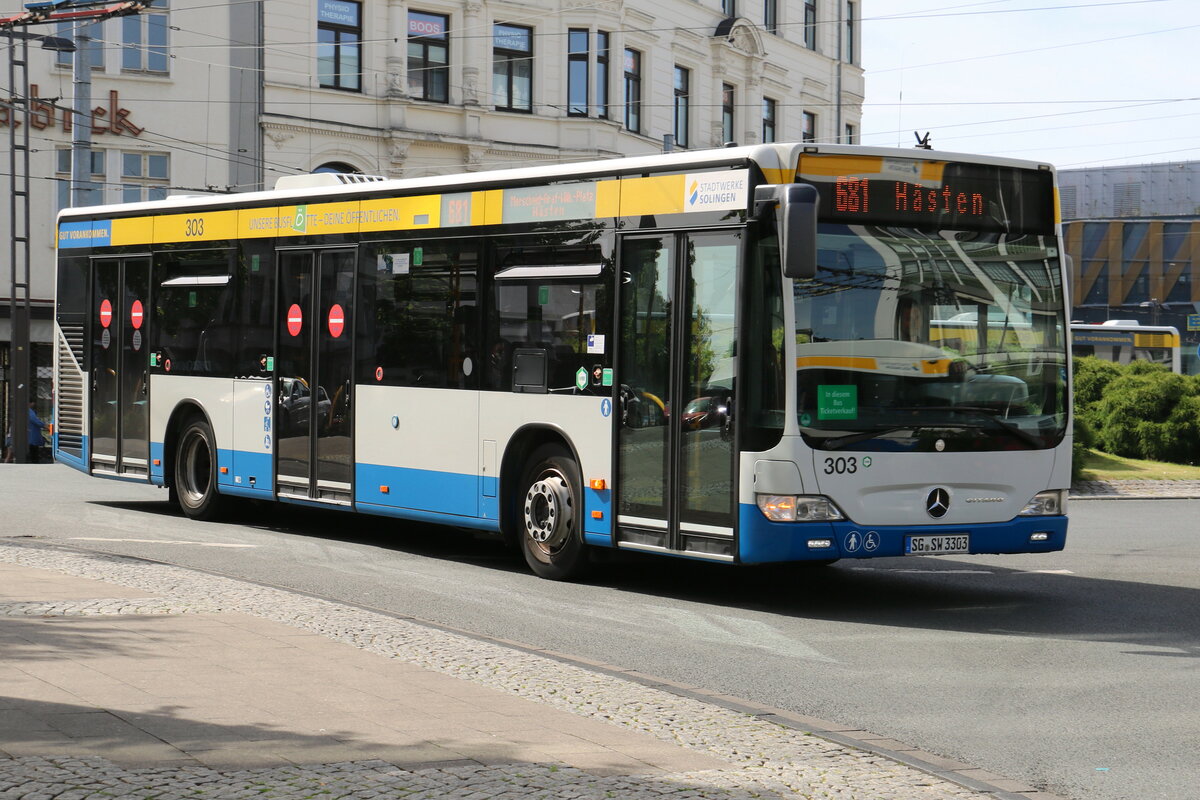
798 508
1045 504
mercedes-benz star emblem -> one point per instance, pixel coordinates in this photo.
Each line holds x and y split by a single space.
938 503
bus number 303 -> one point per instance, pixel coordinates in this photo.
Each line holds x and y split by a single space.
195 226
841 466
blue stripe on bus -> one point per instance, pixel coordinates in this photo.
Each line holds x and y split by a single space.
157 474
252 472
440 518
76 462
96 233
597 531
761 541
425 490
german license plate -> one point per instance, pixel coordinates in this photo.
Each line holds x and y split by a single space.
945 544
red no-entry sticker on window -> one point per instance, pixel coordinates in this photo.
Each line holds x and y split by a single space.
136 314
105 313
295 320
337 321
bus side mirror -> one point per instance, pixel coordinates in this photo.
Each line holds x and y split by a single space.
795 207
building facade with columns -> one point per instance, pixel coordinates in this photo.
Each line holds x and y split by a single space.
420 88
189 96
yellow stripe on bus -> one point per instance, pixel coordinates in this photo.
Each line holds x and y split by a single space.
835 166
138 230
1155 340
658 195
839 362
935 366
205 226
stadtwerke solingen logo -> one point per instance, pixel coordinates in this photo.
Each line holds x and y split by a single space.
716 191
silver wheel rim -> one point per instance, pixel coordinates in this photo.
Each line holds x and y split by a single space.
194 481
549 511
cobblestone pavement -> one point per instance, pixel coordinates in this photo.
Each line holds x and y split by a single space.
728 749
1136 490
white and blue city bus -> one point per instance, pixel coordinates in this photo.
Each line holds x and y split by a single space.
724 355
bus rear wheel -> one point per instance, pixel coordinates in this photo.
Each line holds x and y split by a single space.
550 515
195 485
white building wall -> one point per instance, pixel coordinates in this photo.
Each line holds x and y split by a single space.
192 112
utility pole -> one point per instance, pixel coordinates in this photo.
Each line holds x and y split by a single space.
14 28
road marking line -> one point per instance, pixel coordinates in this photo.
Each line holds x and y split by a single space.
158 541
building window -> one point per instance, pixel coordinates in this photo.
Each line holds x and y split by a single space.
144 40
93 190
337 168
729 8
428 57
144 176
602 74
727 104
810 24
850 54
95 50
771 15
512 67
808 130
633 90
578 79
851 134
339 44
683 79
768 131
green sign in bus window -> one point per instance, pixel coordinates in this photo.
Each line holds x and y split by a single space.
837 402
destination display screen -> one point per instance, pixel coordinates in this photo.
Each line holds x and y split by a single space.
930 194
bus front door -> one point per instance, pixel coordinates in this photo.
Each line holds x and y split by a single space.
313 369
120 392
676 369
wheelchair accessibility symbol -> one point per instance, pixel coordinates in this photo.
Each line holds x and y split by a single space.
871 541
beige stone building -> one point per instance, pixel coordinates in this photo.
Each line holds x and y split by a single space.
193 96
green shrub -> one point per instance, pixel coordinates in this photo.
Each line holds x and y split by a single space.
1148 414
1092 375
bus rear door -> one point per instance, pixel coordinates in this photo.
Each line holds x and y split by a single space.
120 391
314 375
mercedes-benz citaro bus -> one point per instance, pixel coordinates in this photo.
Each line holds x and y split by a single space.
737 355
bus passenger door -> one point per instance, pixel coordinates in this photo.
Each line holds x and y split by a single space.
314 375
677 355
120 390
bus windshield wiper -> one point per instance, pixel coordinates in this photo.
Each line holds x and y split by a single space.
991 415
838 442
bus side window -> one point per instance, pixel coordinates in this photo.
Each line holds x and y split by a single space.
420 328
563 318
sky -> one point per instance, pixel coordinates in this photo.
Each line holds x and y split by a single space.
1076 84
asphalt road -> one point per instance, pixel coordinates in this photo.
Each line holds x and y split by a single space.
1076 671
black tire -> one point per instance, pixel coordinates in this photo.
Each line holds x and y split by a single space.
550 515
194 488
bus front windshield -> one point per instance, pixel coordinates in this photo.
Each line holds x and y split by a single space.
928 341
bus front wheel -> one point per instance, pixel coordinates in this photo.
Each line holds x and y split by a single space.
195 485
550 515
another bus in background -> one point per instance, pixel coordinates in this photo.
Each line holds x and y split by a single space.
1123 341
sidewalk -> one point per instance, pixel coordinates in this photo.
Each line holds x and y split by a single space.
126 678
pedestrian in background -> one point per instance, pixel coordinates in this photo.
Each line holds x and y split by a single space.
36 440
